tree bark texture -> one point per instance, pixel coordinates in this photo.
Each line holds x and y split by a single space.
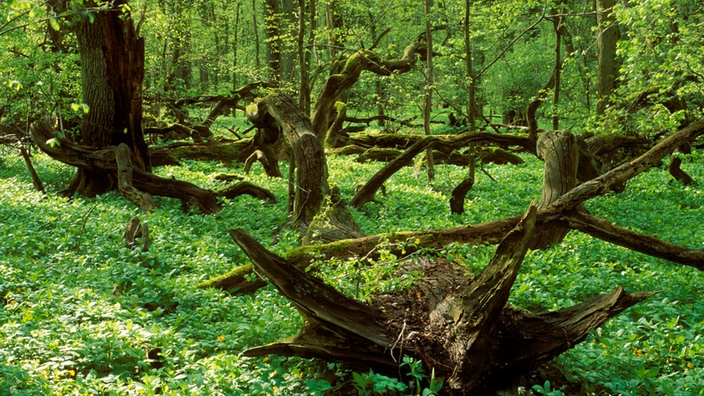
608 35
559 152
112 70
307 153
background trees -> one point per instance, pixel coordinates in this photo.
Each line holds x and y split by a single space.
494 66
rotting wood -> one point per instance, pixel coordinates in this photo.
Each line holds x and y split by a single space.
124 180
249 189
676 171
559 152
136 229
86 157
466 333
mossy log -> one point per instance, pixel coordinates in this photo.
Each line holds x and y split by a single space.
467 335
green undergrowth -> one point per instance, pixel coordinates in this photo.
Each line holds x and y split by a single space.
82 314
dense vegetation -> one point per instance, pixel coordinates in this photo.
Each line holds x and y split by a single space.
81 311
84 314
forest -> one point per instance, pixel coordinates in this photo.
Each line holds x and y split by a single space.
336 197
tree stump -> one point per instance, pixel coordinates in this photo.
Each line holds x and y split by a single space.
559 150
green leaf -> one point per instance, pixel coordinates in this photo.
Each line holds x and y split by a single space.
54 24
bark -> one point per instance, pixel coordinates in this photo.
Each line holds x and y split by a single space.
563 209
560 153
608 35
104 160
112 70
469 336
135 229
367 192
303 60
355 64
444 143
249 189
677 172
469 67
36 181
225 151
428 98
274 40
460 192
307 153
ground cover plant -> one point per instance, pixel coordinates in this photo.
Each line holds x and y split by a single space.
82 314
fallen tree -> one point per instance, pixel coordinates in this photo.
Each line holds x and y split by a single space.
461 327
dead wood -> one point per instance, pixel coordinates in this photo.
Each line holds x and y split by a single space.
564 209
249 189
105 159
368 191
459 194
652 246
136 229
559 152
362 60
307 152
36 181
677 172
224 150
466 332
125 186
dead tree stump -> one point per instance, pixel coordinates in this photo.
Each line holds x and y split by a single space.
560 152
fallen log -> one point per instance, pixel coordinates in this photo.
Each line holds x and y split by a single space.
467 333
86 157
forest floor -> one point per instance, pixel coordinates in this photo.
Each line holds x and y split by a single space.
83 314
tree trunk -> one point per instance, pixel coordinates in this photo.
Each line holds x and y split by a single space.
303 60
255 30
430 81
559 150
307 153
607 37
472 81
274 39
112 70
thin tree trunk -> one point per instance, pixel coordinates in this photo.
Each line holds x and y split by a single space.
430 81
274 42
608 35
257 60
472 88
235 45
303 60
557 70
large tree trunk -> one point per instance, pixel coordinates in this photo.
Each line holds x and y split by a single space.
112 70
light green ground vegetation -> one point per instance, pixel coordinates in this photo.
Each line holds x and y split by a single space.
79 311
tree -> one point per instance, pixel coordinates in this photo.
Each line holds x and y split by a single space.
608 34
112 70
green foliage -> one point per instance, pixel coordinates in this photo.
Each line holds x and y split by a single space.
80 312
